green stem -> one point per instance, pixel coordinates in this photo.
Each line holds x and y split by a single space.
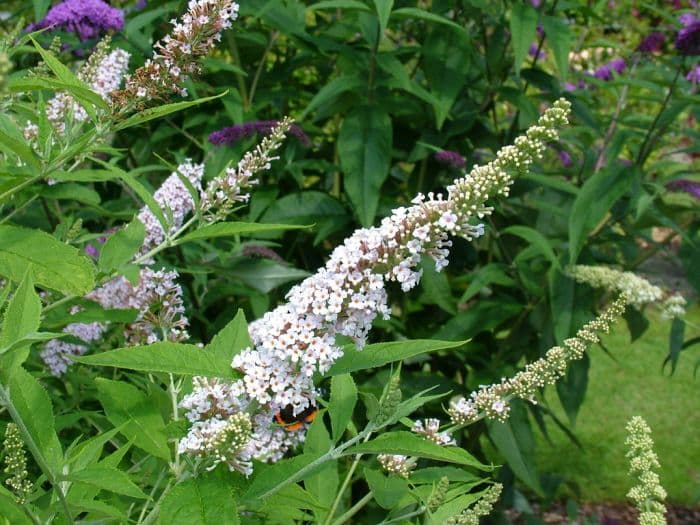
19 187
239 76
403 517
258 71
344 486
643 153
354 509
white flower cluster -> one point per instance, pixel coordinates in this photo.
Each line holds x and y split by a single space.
648 495
175 201
175 57
57 353
638 290
103 78
430 428
298 339
397 464
491 401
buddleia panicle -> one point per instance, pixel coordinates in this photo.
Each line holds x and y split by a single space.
638 290
483 507
648 494
16 464
491 401
391 397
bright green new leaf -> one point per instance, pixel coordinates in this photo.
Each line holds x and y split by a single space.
559 39
20 148
161 111
164 356
230 340
54 264
535 239
383 12
107 478
323 484
410 444
203 500
22 315
121 246
342 403
380 354
124 404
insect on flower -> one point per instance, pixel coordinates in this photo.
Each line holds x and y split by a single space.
292 423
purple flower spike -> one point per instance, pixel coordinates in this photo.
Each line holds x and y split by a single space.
451 159
87 18
565 159
603 73
652 43
618 65
92 251
537 53
688 186
536 3
235 133
693 75
688 39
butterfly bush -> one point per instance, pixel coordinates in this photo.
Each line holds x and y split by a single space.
298 338
176 56
88 19
648 495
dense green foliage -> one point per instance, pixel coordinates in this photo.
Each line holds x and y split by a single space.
379 87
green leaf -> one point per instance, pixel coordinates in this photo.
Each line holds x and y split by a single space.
523 28
330 92
264 274
636 323
376 355
107 478
30 408
79 91
146 197
19 148
415 13
387 490
53 264
410 444
124 404
163 356
308 207
204 500
484 315
383 12
231 339
494 273
10 512
436 287
121 246
161 111
23 313
675 342
268 477
535 239
593 202
572 387
338 4
228 229
323 484
342 403
432 475
514 441
364 148
559 39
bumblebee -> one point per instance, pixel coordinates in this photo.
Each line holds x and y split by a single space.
292 423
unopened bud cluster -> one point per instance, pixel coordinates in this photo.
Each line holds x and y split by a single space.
231 188
16 464
481 508
638 290
397 464
648 495
491 401
437 497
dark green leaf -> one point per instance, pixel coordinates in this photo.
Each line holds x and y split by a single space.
559 40
523 26
161 111
204 500
675 342
230 340
387 490
342 403
229 229
107 478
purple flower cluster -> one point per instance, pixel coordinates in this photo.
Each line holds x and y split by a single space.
87 18
451 159
693 75
605 72
688 39
652 43
688 186
235 133
536 51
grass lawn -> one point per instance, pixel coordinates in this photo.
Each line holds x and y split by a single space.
634 385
